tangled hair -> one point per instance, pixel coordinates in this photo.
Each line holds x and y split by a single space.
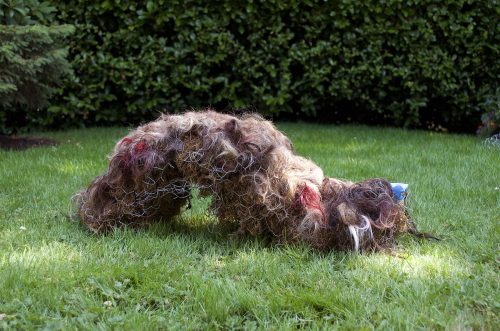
255 180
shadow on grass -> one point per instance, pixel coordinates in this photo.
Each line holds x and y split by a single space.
193 230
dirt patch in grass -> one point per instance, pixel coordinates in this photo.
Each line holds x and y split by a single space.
22 143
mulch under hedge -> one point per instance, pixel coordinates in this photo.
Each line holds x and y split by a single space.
22 143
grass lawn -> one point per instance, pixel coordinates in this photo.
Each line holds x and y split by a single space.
190 274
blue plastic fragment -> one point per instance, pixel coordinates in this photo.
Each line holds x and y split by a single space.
400 191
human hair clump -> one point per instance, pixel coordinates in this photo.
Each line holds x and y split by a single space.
255 180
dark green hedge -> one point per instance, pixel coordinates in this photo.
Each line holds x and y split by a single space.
421 63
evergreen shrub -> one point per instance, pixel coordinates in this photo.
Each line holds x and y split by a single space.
32 63
415 63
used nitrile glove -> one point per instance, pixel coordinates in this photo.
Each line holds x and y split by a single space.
400 191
